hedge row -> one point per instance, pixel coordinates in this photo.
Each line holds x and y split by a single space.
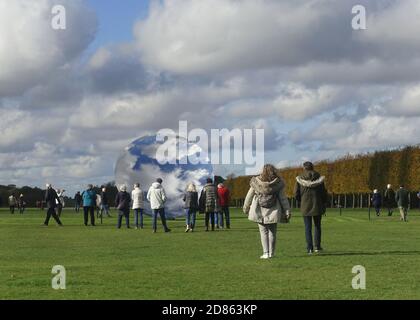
354 174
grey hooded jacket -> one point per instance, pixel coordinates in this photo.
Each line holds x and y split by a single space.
262 215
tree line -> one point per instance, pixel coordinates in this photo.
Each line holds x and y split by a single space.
351 175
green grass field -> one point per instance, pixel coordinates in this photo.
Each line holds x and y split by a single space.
106 263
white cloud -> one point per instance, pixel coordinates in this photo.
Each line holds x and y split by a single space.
406 102
215 35
30 50
293 67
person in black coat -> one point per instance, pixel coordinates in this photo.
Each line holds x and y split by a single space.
377 202
122 203
312 195
105 203
389 199
78 201
51 199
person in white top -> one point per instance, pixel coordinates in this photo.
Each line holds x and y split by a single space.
60 202
138 205
12 203
157 198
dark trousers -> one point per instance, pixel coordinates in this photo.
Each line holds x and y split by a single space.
138 217
390 210
225 211
160 212
308 232
210 218
51 212
378 210
12 209
77 207
126 215
89 211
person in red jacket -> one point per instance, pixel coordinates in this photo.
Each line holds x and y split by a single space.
224 199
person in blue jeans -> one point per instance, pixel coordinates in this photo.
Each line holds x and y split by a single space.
224 199
138 205
157 198
122 203
191 206
310 191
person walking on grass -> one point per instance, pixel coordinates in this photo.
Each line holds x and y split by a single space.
265 204
60 202
78 201
208 203
89 204
403 202
389 199
157 198
51 199
223 196
137 197
22 204
122 203
12 203
310 191
105 203
190 206
377 202
98 205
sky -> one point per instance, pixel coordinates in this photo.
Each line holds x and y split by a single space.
71 100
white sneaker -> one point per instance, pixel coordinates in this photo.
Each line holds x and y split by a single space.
265 256
271 256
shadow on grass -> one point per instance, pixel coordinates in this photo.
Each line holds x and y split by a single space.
376 253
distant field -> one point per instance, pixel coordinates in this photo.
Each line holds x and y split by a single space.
106 263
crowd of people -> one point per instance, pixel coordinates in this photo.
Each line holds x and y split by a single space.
213 202
17 203
265 204
392 199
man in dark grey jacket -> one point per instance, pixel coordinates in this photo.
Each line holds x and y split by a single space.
311 193
122 203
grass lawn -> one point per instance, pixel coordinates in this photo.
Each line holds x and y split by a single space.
106 263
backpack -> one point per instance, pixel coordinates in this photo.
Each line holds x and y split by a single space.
267 200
